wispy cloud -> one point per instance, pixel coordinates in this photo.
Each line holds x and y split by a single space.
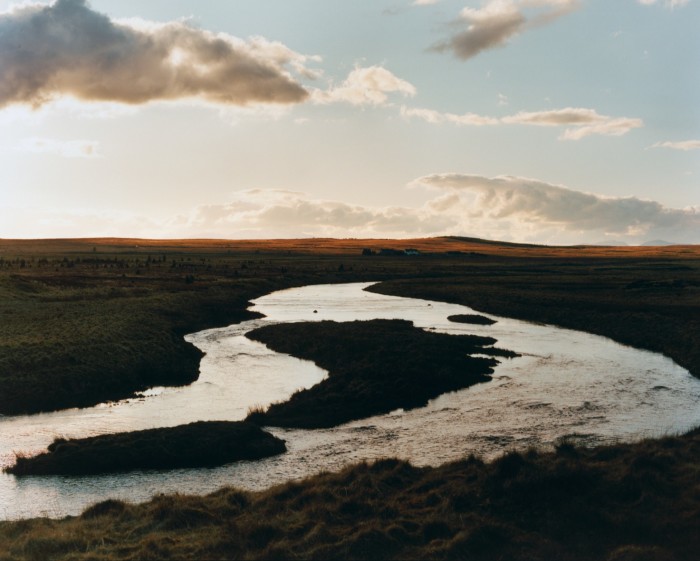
684 145
667 3
497 21
435 117
63 148
365 86
68 49
582 122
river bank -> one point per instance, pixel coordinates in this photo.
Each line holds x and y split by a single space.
624 502
628 501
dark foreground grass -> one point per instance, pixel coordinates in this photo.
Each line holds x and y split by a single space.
373 367
629 502
200 444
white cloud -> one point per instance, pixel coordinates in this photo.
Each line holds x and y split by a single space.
435 117
497 21
582 121
424 2
544 207
667 3
501 208
365 86
275 213
68 49
684 145
63 148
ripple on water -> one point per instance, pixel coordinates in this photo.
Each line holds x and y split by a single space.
566 387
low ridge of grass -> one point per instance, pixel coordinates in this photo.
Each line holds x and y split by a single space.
474 319
373 367
629 502
200 444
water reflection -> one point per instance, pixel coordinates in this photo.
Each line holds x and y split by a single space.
567 384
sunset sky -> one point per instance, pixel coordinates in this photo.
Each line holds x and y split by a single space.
553 121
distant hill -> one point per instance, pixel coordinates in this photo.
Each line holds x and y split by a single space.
659 242
612 243
481 241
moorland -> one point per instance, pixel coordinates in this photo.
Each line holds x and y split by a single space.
83 321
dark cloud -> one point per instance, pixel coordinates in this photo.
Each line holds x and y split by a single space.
496 22
68 49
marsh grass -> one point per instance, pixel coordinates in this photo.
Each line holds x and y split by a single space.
628 502
624 502
200 444
474 319
373 367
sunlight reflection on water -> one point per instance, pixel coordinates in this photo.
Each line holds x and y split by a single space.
566 384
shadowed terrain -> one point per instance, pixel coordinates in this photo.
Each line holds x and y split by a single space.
200 444
79 317
373 367
626 502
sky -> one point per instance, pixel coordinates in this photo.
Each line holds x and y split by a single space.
540 121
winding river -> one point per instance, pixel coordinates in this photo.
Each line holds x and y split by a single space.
566 385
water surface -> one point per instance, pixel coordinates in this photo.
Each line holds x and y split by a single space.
566 384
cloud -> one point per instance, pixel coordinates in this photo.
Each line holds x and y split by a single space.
63 148
502 208
684 145
583 122
497 21
543 206
274 213
435 117
424 2
667 3
68 49
365 86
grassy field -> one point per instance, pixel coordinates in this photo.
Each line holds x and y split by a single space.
86 320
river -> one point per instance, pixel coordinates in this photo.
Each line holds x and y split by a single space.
565 385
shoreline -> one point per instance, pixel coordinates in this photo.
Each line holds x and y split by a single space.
632 497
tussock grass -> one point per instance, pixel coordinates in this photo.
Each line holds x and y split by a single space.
623 502
200 444
373 367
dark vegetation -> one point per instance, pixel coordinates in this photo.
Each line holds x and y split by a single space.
652 304
373 367
629 502
474 319
200 444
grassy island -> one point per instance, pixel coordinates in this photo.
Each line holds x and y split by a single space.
373 367
200 444
474 319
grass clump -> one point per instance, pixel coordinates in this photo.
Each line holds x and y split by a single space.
200 444
596 504
474 319
373 367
